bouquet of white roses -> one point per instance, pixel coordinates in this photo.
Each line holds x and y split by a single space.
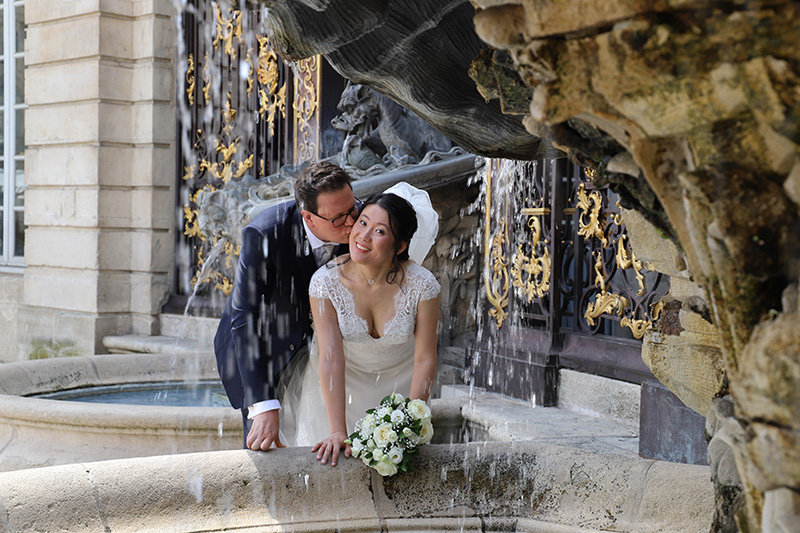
387 437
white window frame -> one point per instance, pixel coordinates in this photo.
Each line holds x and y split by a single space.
10 159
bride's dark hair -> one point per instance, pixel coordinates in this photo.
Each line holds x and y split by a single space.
403 224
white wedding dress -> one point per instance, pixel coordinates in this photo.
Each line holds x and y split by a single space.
373 367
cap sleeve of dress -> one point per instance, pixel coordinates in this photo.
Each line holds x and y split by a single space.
318 288
428 286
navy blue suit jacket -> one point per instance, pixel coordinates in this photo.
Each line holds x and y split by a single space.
267 317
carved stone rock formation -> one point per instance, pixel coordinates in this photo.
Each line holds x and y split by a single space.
417 53
688 108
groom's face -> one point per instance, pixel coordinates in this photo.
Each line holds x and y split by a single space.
335 216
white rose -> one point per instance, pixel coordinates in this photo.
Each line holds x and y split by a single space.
366 458
410 435
377 454
370 444
397 417
368 422
426 432
395 455
397 399
384 434
386 468
357 446
383 411
419 410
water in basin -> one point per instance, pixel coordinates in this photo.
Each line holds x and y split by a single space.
202 394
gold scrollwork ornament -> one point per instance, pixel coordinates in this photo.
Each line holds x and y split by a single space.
497 284
532 274
190 80
591 205
305 109
637 327
626 261
605 303
228 30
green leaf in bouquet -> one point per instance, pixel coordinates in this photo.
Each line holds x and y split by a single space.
370 411
387 399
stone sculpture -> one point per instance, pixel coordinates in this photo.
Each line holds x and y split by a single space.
382 135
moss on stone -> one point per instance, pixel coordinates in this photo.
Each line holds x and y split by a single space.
50 348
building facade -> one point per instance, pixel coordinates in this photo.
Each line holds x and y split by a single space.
97 167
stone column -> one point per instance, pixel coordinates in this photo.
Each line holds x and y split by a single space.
100 168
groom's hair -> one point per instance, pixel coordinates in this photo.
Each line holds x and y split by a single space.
403 224
318 178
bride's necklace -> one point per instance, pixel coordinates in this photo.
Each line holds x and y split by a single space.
366 278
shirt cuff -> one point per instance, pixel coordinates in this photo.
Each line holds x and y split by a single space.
262 407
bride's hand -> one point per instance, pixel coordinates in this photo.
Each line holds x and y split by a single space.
330 447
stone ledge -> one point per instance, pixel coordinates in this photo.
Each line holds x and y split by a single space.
155 344
543 488
196 328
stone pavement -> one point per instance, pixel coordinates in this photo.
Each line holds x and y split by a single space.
495 417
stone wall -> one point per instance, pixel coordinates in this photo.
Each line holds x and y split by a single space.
10 296
100 167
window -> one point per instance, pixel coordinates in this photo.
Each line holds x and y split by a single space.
12 138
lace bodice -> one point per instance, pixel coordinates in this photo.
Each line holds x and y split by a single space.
419 285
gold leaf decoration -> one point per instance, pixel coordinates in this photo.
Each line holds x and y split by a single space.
250 73
306 107
497 284
228 30
657 308
206 79
637 327
532 274
190 80
591 205
626 261
604 302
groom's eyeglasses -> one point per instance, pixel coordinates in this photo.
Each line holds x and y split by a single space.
339 220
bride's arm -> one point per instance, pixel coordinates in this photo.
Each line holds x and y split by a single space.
425 340
331 378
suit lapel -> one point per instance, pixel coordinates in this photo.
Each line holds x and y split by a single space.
305 257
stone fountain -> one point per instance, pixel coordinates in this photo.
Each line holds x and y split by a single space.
689 111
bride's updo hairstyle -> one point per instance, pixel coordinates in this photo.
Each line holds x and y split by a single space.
403 224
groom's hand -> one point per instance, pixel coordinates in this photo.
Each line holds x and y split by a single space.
264 432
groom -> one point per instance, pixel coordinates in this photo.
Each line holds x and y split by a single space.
267 320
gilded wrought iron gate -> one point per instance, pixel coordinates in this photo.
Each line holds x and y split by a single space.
244 114
563 288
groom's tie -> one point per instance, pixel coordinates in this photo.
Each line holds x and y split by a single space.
324 253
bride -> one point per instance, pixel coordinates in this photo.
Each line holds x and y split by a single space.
375 314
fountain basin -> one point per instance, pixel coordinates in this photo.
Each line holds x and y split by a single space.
523 487
511 485
37 432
